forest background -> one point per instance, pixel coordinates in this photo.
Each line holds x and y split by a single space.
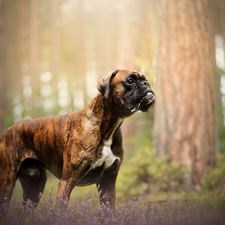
52 54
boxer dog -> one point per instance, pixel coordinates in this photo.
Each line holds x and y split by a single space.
80 148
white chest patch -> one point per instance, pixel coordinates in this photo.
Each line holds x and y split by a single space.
107 156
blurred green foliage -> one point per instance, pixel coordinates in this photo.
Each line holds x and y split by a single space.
146 177
215 180
146 174
219 109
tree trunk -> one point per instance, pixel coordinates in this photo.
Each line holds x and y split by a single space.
184 126
2 67
34 50
80 41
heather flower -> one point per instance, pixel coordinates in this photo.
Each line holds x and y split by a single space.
90 212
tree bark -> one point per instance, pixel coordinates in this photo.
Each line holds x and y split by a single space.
184 126
34 50
2 67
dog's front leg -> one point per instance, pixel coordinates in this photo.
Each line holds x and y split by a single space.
64 190
71 177
107 188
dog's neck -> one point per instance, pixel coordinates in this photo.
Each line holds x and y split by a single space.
103 111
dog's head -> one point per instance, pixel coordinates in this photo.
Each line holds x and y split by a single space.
129 90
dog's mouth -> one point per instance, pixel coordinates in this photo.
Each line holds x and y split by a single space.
147 102
148 98
144 103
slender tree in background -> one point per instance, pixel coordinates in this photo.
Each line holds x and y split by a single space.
2 67
34 49
184 126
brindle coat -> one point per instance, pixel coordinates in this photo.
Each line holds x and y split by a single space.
71 146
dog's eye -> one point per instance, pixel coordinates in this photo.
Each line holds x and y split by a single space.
130 81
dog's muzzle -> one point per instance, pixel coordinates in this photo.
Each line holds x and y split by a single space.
149 97
146 102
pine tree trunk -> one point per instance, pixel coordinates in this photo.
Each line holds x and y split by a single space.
184 126
2 66
34 50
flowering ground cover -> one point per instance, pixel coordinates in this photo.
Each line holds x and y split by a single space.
86 212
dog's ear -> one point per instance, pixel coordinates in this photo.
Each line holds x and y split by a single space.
103 84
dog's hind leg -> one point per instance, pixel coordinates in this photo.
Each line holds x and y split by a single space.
32 183
7 176
7 183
